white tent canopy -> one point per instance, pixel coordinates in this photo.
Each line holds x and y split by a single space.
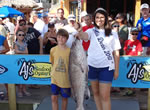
18 3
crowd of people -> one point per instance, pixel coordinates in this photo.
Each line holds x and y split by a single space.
104 39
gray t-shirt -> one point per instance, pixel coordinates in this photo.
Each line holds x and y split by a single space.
21 47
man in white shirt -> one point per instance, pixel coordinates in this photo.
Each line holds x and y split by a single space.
60 20
38 23
11 35
46 21
71 30
82 17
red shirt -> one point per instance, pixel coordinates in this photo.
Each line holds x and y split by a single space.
132 47
86 44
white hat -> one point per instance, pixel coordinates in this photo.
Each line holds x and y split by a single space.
71 17
144 5
83 13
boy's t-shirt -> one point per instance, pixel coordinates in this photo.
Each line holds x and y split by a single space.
132 47
60 62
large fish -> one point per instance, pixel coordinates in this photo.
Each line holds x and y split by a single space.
78 72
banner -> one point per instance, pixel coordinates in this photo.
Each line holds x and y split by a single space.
35 69
25 69
133 72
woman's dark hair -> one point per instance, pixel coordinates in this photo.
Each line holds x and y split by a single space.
122 16
22 20
51 25
19 31
31 24
107 26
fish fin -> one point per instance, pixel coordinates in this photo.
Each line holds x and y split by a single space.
87 90
82 69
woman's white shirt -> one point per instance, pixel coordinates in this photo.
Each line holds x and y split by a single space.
95 56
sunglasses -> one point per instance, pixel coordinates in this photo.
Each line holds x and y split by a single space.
118 18
22 24
110 20
134 34
21 35
115 26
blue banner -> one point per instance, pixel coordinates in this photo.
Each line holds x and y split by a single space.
35 69
25 69
133 72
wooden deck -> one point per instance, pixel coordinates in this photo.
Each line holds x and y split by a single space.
41 98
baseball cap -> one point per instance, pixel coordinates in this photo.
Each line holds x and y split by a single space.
44 15
34 13
71 17
22 20
144 5
83 13
134 29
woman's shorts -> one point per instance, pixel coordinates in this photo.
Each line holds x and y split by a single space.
65 92
100 74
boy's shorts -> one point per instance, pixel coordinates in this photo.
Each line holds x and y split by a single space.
65 92
100 74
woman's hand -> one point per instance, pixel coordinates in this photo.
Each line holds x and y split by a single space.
116 74
116 60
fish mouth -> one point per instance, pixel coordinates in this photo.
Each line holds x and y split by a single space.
86 97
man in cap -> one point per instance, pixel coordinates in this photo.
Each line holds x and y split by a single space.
82 17
71 30
46 21
38 23
88 22
143 25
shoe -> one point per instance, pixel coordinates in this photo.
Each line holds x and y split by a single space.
129 93
20 94
34 87
115 91
27 93
142 90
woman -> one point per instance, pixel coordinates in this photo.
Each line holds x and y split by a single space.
49 39
123 29
103 58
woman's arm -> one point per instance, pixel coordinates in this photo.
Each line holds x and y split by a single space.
41 44
6 47
82 35
26 51
45 39
116 55
17 51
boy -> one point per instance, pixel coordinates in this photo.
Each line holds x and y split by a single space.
59 57
132 47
